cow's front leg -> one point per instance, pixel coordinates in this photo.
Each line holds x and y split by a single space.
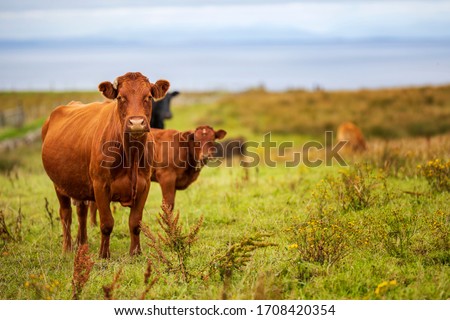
102 200
82 210
135 220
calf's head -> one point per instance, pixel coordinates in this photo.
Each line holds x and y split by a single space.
202 145
134 93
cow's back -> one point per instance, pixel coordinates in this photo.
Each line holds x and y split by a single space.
68 136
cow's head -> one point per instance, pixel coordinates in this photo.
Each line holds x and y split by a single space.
202 140
134 93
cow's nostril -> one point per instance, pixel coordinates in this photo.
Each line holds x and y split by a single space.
137 124
136 121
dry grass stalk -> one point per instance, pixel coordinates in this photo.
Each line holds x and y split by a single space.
238 254
5 233
108 290
172 247
82 268
49 211
148 283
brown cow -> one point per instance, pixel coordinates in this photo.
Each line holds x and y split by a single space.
349 132
98 152
178 159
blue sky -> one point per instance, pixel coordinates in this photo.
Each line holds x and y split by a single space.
197 21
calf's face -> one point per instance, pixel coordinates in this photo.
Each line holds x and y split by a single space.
203 138
133 93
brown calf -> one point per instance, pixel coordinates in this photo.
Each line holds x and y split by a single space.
97 152
178 158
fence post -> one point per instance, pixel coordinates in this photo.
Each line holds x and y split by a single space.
20 116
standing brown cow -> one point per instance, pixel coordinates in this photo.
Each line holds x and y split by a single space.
98 152
178 158
349 132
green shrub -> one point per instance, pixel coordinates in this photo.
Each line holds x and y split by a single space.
437 173
324 240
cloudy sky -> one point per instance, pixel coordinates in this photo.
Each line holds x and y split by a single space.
171 21
223 41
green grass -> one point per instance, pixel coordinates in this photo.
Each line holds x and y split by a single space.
42 101
272 201
394 247
9 133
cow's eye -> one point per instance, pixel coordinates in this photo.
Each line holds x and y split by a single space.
146 100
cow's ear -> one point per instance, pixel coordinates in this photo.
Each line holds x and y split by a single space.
159 89
187 135
174 94
108 90
220 134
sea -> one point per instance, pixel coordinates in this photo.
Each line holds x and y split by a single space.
334 65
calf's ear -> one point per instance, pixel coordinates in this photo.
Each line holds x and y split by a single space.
108 90
159 89
220 134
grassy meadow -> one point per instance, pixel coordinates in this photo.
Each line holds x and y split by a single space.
378 228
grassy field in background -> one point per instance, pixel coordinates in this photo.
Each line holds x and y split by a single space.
384 113
376 229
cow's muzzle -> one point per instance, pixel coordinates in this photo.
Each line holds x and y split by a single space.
204 158
137 125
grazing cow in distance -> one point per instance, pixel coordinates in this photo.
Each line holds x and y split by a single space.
98 152
161 110
349 132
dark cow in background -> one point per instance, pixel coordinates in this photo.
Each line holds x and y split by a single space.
97 152
230 149
161 110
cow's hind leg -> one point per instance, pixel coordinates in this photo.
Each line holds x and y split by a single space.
65 213
93 213
168 189
82 211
